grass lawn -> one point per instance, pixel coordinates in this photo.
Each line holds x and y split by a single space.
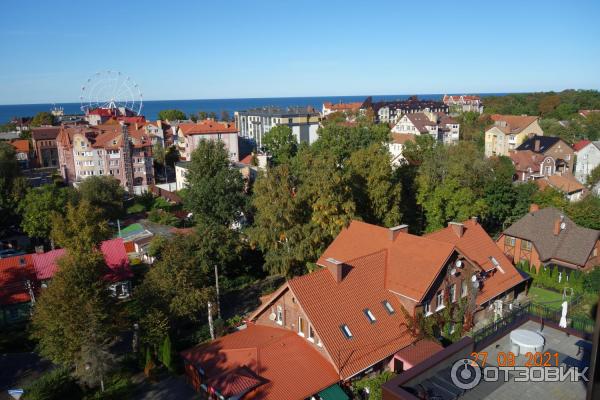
549 298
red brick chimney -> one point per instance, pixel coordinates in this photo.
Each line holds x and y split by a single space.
556 229
336 268
533 208
457 227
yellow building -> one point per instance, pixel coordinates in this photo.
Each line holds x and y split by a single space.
508 132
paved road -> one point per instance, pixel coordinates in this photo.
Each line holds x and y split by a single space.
171 388
17 369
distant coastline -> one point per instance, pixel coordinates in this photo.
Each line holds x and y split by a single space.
152 107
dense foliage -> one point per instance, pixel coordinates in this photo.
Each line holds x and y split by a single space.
171 115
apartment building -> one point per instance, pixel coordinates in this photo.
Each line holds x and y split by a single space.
508 132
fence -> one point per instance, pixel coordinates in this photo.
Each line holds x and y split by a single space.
530 311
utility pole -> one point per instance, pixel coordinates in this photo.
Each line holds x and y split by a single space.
217 285
210 321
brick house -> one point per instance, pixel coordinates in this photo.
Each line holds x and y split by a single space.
541 156
548 237
17 284
189 136
44 145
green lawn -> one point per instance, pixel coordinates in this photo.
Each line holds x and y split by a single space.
549 298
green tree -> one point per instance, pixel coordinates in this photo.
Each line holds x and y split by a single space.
499 193
202 115
215 191
37 209
172 156
281 144
550 197
586 212
73 317
12 186
341 140
225 116
105 193
167 354
594 177
82 228
42 118
376 192
171 115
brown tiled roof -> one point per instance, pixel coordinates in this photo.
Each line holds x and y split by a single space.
573 244
343 106
478 247
45 132
564 183
420 121
274 363
401 138
515 123
525 159
419 351
207 127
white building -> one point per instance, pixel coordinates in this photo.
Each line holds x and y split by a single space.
189 136
396 148
463 103
253 124
588 158
440 126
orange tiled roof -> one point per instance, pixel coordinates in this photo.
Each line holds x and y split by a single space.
343 106
419 351
564 183
274 363
15 271
478 246
402 138
207 126
20 145
515 123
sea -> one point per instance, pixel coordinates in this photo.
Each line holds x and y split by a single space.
151 108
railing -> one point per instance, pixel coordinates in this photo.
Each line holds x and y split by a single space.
519 315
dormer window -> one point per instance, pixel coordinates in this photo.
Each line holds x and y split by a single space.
369 315
346 331
388 307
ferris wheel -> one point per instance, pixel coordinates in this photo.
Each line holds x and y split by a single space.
111 90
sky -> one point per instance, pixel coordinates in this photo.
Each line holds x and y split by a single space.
262 48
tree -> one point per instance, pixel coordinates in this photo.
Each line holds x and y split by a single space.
550 197
73 319
225 116
42 118
341 140
376 192
167 354
499 193
172 156
105 193
171 115
594 177
215 191
82 228
37 209
202 115
280 143
586 212
12 186
212 115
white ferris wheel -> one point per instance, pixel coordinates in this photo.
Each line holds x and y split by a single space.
111 90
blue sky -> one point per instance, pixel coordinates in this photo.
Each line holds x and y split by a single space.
222 49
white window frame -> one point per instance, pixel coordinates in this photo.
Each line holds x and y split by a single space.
427 307
279 315
300 326
439 304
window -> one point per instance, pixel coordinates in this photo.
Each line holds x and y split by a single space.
388 307
311 333
300 326
509 241
369 315
279 315
453 293
427 307
526 245
464 288
346 331
440 300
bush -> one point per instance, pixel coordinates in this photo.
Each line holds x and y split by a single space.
161 204
136 208
57 384
117 387
373 384
163 217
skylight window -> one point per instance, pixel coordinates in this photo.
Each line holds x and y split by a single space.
388 307
370 315
346 331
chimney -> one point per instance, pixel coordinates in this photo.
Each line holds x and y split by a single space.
457 227
396 230
475 219
536 145
336 268
556 230
533 208
39 249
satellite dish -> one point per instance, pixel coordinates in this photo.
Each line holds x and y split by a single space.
563 225
453 271
473 278
458 264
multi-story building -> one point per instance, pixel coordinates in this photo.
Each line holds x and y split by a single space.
508 132
253 124
346 108
541 156
116 150
391 111
189 136
44 145
463 103
588 158
440 126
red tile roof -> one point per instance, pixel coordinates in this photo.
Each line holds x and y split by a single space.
581 144
419 351
45 132
273 363
343 106
564 183
115 256
526 159
515 123
20 145
207 126
14 273
247 160
401 138
478 247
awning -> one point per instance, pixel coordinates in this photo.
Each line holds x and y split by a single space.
334 392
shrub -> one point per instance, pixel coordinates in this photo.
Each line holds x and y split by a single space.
117 387
57 384
163 217
161 204
373 384
136 208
